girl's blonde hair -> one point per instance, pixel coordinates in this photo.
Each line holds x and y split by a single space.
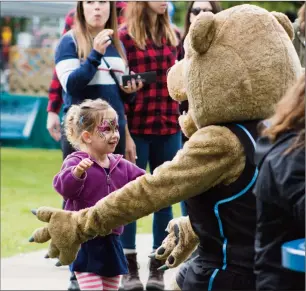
289 115
85 116
83 37
140 28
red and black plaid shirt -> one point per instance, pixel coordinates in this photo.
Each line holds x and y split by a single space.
55 90
154 112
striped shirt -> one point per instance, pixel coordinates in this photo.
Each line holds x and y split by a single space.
90 78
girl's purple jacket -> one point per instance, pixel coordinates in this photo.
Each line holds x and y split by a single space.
96 183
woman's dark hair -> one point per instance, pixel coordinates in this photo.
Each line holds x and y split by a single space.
216 7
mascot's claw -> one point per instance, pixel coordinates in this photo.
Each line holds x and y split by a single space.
178 245
63 229
163 268
34 211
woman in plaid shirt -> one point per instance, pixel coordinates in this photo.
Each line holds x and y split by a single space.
151 44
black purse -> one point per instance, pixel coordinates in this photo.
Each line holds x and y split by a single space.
125 97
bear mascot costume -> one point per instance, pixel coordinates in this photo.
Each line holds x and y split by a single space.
238 64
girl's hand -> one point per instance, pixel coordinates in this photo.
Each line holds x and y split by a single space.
102 40
80 169
132 86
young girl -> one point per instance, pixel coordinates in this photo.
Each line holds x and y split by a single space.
87 176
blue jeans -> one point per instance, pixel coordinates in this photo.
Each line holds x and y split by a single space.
155 149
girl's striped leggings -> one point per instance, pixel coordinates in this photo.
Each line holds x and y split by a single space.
90 281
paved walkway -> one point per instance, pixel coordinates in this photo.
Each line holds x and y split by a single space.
32 272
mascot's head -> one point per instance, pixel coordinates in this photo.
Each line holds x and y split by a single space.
238 64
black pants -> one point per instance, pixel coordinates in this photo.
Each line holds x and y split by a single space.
197 274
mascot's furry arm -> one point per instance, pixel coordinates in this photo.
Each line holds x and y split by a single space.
212 156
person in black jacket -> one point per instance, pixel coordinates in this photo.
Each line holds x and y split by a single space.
280 191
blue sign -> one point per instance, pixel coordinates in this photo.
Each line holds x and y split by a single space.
17 116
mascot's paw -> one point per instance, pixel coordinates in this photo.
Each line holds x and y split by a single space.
63 230
187 125
178 245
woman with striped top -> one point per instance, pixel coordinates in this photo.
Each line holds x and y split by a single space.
83 58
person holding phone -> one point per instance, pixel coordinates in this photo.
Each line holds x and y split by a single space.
82 58
151 45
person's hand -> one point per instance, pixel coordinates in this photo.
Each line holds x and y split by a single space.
103 40
130 149
132 86
82 167
178 245
54 126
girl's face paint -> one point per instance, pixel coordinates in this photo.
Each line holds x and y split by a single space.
109 129
106 135
108 125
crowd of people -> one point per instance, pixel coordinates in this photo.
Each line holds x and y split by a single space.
104 121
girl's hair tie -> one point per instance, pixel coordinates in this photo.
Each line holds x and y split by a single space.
81 120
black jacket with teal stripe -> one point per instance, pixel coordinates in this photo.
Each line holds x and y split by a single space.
224 217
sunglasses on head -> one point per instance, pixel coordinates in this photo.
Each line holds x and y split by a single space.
197 10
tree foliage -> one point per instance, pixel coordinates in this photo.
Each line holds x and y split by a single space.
280 6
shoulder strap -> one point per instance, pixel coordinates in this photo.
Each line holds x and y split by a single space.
127 98
111 72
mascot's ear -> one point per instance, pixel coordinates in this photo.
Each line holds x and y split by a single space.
285 23
202 32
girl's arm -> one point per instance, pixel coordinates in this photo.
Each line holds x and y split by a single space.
67 182
73 75
134 171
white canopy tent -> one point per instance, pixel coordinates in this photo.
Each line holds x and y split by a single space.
35 8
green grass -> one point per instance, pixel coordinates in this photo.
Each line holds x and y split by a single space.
26 183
